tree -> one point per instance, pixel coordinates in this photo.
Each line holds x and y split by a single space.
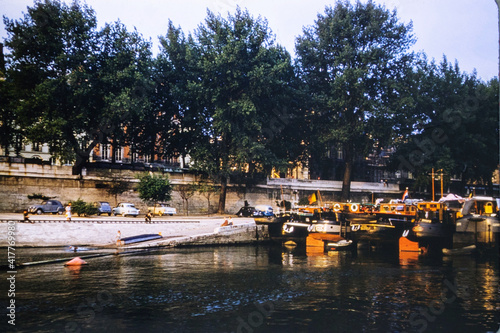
177 124
186 191
48 47
458 127
124 85
351 62
153 188
7 114
76 86
242 78
116 185
207 190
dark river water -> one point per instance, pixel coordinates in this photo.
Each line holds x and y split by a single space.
254 289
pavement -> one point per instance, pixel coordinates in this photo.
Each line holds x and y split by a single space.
104 231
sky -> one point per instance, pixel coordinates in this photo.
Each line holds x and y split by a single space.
465 31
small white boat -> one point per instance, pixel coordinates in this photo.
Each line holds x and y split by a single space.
339 245
460 251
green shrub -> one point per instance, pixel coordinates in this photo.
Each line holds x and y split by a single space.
304 201
82 208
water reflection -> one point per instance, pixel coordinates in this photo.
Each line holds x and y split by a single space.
259 289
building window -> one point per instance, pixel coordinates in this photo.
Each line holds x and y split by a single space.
105 151
119 154
340 154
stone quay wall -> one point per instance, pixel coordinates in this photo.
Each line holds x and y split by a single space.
18 180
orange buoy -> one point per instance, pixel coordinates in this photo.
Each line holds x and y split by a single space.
77 261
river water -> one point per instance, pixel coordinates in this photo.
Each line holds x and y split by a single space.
254 289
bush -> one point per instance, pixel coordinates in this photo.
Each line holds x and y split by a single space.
82 208
284 204
304 201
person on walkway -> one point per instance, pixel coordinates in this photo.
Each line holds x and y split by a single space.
68 212
148 217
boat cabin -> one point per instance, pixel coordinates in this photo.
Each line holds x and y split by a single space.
486 206
398 208
432 212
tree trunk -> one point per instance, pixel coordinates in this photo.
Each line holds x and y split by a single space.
222 196
346 184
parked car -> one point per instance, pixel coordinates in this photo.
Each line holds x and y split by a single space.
103 207
47 206
125 208
246 211
161 208
259 210
263 210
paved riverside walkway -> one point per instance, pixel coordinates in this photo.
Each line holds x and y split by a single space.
53 230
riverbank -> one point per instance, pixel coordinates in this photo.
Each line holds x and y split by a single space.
52 230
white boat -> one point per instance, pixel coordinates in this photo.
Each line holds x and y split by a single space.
478 224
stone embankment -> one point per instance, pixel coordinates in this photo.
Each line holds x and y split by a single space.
48 231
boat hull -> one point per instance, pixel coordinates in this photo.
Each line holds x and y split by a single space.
382 232
482 231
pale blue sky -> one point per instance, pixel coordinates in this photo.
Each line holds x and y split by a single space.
463 30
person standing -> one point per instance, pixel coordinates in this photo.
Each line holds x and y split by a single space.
68 212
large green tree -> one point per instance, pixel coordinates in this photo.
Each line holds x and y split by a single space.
175 101
243 78
121 86
352 61
75 86
47 48
458 127
7 114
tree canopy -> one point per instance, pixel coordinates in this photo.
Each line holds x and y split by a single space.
234 101
352 62
244 78
154 188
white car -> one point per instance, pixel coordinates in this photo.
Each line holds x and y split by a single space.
125 208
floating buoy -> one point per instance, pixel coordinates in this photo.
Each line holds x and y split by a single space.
77 261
